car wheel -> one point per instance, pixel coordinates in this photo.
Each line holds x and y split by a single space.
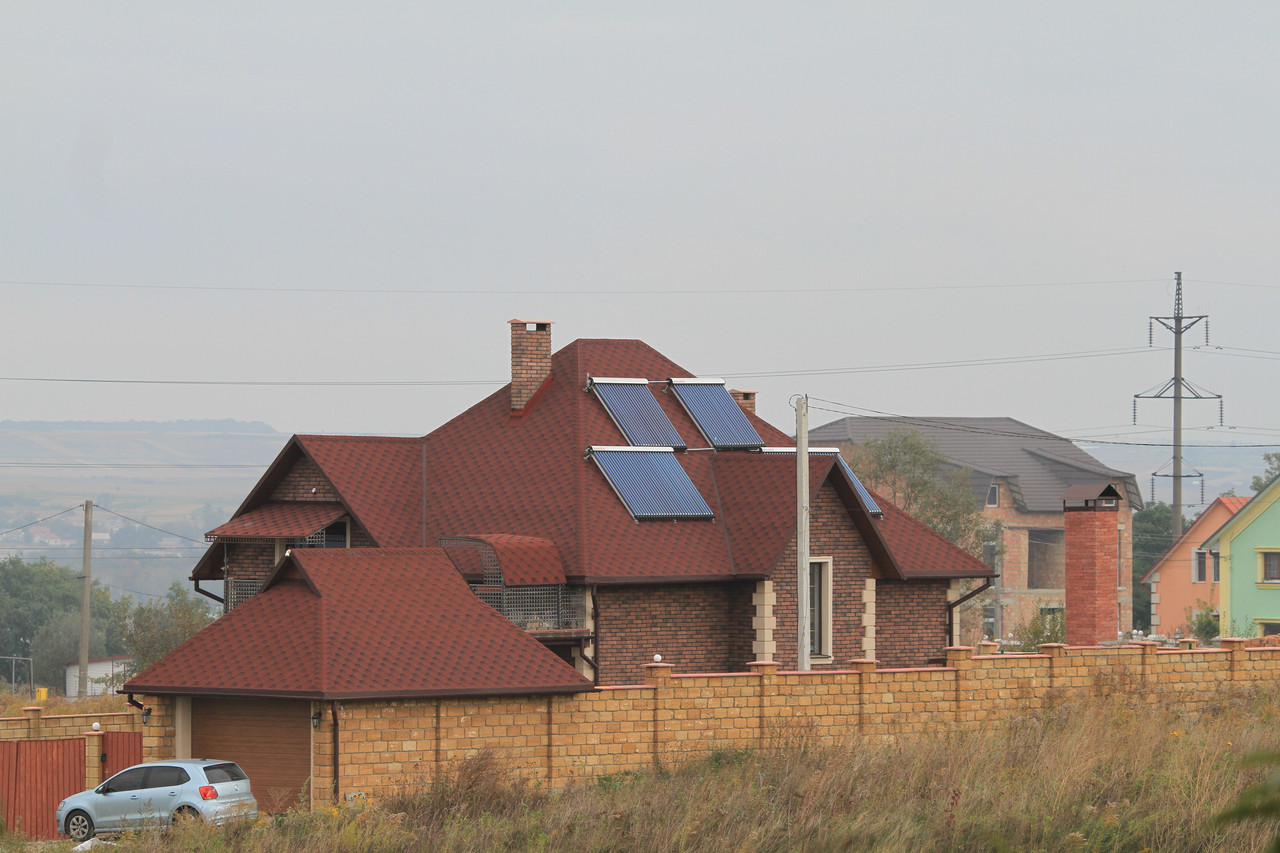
185 813
79 826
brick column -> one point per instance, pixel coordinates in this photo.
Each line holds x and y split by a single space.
766 694
1092 565
1237 653
866 670
1056 653
94 759
960 658
1148 659
658 675
32 713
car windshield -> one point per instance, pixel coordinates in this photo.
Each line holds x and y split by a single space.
224 773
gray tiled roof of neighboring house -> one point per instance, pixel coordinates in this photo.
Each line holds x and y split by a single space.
1039 465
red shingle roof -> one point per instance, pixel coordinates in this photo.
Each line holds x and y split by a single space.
307 635
498 473
279 520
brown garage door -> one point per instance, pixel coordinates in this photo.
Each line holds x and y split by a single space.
269 738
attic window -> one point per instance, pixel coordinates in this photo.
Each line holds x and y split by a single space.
333 536
718 416
993 495
650 482
636 412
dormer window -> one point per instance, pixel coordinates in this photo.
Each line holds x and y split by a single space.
993 495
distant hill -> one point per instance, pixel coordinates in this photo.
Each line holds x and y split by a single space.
146 479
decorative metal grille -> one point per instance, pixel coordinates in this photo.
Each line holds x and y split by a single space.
238 591
551 607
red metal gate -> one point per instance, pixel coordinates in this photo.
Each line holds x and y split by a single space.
35 775
120 750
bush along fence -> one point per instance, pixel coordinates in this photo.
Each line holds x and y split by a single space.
559 741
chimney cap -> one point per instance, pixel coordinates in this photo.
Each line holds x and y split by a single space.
530 322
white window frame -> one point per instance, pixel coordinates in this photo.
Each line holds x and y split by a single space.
995 487
820 610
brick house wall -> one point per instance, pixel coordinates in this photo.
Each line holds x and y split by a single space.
698 627
831 534
304 476
250 560
911 622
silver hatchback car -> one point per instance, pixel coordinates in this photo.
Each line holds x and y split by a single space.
155 793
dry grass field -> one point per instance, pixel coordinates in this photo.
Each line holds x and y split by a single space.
1108 775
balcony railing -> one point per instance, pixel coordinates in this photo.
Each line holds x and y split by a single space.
538 608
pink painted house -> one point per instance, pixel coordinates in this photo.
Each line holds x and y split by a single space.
1187 575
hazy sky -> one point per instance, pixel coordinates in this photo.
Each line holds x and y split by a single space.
798 197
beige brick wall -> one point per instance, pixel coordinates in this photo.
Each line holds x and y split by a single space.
558 741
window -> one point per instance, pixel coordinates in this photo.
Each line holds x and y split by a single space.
1198 569
129 780
1271 567
164 776
993 495
989 622
1269 629
820 607
1046 558
1216 560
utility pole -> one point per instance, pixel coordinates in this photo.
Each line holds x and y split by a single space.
82 690
1175 388
802 533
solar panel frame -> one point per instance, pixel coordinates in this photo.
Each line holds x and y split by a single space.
651 483
718 416
869 502
637 413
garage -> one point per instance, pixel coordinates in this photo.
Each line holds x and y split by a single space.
269 738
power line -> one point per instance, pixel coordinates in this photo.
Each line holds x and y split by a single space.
428 291
932 365
264 384
40 520
150 527
850 409
143 465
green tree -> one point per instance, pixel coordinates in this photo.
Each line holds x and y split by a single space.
57 643
1260 482
1152 536
907 468
33 593
152 629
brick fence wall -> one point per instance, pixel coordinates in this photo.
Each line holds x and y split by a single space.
673 718
34 725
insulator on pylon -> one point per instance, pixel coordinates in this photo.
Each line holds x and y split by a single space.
1201 489
1220 411
1150 334
1153 488
1206 331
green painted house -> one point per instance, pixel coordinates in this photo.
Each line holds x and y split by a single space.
1248 551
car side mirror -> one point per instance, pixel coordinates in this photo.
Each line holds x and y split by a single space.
102 789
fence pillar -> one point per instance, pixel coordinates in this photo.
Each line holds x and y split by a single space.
1148 659
1236 656
32 713
866 670
658 676
960 658
766 695
94 759
1056 652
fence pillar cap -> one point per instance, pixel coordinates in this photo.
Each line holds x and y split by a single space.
1053 650
863 664
657 672
958 653
764 667
33 711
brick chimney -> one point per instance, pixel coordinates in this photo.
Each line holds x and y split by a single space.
530 360
746 399
1091 514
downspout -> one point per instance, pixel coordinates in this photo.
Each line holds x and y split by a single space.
333 716
208 594
951 608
